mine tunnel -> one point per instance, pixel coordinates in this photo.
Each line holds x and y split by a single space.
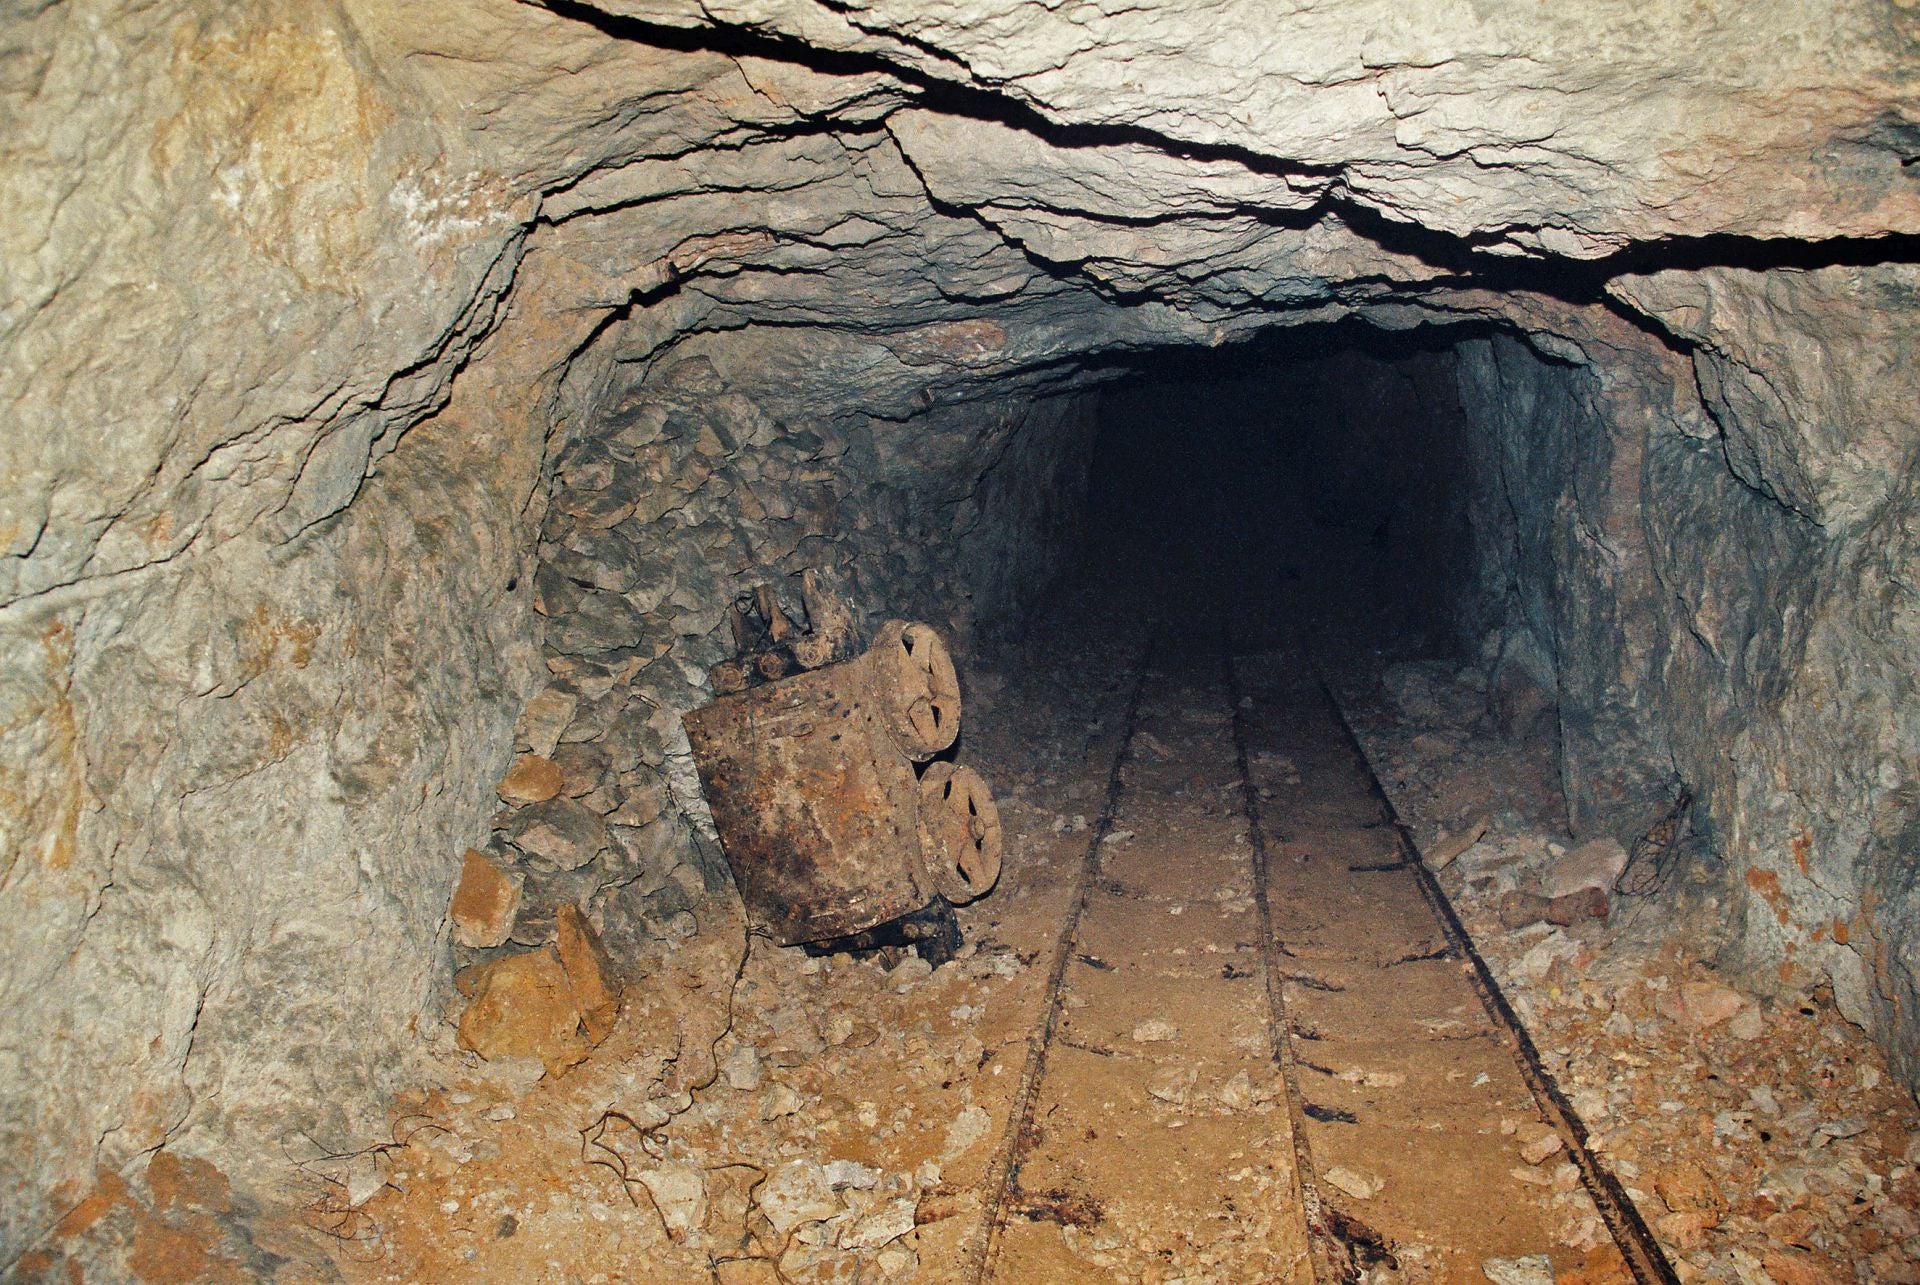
820 643
1311 487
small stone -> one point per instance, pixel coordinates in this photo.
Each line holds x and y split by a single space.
907 972
781 1100
1374 1079
1793 1226
1688 1188
966 1131
796 1193
1798 1267
895 1263
560 832
1576 907
1747 1026
1361 1186
364 1179
515 1072
1685 1228
1556 947
1448 848
533 778
894 1220
1542 1147
1591 865
545 717
1236 1094
1851 1127
748 1271
582 768
485 902
743 1069
1700 1006
523 1007
842 1174
680 1193
1155 1031
1172 1085
1528 1269
589 971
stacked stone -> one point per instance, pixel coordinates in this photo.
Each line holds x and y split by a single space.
684 496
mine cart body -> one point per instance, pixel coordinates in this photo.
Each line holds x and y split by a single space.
811 782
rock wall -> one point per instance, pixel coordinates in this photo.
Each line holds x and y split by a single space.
1566 598
227 930
1689 537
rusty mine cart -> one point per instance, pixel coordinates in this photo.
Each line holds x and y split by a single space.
834 840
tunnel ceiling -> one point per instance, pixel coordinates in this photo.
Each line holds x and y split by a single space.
954 191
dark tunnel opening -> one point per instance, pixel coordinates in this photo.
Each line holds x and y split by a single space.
1312 489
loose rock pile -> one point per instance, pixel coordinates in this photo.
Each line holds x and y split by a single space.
683 498
688 494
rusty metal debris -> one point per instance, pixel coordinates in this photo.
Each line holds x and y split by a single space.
807 756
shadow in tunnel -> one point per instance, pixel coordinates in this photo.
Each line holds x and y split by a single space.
1314 488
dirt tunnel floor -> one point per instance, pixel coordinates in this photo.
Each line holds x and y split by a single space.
1098 1089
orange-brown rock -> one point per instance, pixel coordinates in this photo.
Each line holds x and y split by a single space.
590 972
1685 1228
1793 1227
166 1254
467 980
187 1182
484 903
110 1190
523 1006
1700 1005
531 779
1797 1267
1604 1265
1688 1188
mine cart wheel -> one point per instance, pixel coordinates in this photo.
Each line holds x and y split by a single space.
918 691
960 832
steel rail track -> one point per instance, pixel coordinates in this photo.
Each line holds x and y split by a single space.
1012 1148
1320 1239
1636 1243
